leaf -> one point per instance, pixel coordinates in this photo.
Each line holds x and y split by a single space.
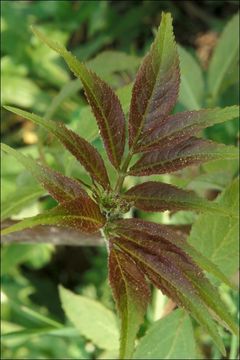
104 102
156 196
179 127
189 152
84 152
17 200
224 64
161 254
131 294
179 287
82 213
91 318
218 237
156 86
190 95
154 229
60 187
169 338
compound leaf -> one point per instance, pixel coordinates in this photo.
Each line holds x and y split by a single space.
82 213
188 152
104 102
160 255
156 86
179 127
60 187
84 152
131 294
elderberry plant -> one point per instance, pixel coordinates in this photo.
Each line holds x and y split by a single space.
158 142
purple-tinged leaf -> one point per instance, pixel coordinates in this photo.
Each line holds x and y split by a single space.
189 152
60 187
156 86
81 213
84 152
179 127
156 196
104 102
131 294
154 231
162 267
166 245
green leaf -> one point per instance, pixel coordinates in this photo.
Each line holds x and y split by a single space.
18 200
84 152
190 95
189 152
156 196
224 64
168 338
81 213
104 102
217 237
131 294
179 127
91 318
156 86
62 188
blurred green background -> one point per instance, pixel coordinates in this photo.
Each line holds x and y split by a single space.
111 37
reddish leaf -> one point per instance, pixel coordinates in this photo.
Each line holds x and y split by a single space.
182 289
178 127
159 240
156 196
104 102
189 152
156 86
81 213
60 187
154 231
131 294
84 152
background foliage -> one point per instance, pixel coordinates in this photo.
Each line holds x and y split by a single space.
39 319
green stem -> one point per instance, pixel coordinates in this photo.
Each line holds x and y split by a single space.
233 348
123 172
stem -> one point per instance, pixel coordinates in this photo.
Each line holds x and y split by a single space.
233 348
123 173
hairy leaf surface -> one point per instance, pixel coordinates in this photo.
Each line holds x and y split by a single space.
131 294
84 152
157 262
156 196
155 230
156 86
165 246
189 152
104 102
60 187
81 213
179 127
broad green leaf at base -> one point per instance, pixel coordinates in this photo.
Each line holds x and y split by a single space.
91 318
169 338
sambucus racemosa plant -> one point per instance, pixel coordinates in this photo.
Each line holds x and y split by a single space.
139 251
